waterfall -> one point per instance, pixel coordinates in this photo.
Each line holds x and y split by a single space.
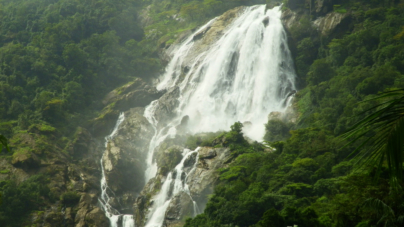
112 214
246 74
175 183
243 75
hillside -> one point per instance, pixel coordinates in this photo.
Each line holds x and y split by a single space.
69 68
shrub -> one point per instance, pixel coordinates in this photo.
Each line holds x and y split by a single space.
70 198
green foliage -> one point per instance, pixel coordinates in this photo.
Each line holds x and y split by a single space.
3 142
20 199
271 218
70 198
276 130
203 140
386 123
307 179
59 58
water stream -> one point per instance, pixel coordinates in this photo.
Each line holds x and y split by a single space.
112 214
246 74
243 76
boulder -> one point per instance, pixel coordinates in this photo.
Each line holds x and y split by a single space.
331 22
144 201
23 158
89 214
96 218
166 106
207 153
168 159
201 181
180 207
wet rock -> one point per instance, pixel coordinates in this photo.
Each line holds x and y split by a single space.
168 158
207 37
182 127
331 22
144 95
207 153
140 207
166 106
134 94
96 218
89 214
124 157
327 22
265 21
190 161
180 207
200 34
145 201
201 181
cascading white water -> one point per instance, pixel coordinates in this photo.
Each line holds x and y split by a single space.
112 214
244 76
174 184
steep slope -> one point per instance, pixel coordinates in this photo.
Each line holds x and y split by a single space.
343 55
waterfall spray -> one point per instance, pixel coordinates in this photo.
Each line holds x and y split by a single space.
246 74
243 75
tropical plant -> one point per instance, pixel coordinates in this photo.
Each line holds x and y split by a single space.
383 130
3 142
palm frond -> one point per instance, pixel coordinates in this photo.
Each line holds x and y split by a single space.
383 125
382 209
3 142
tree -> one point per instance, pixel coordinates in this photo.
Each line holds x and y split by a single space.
383 130
3 142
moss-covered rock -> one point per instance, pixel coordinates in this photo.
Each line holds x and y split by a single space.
168 158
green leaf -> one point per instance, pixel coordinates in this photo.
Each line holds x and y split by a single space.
3 142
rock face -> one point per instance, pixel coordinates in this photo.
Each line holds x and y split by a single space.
204 39
134 94
167 105
317 7
181 206
201 181
123 160
330 22
322 7
325 20
89 214
76 170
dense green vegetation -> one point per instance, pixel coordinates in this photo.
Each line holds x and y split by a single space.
308 180
58 58
19 200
